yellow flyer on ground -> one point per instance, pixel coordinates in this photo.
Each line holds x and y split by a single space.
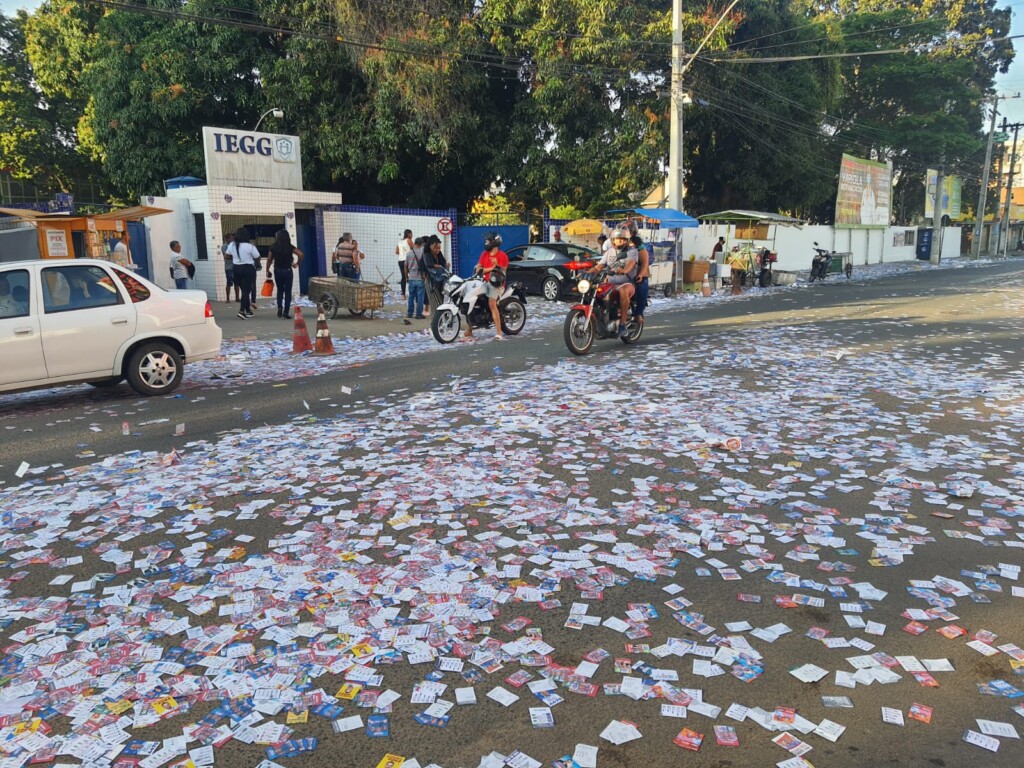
165 705
391 761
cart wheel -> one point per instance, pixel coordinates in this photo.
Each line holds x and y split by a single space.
356 313
328 304
849 271
669 290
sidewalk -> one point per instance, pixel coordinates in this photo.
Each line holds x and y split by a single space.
267 325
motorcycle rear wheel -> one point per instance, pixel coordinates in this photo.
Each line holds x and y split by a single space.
578 332
513 316
634 330
445 326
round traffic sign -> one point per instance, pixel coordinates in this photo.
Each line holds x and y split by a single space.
445 226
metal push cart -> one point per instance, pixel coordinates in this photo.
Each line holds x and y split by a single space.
332 294
842 263
662 275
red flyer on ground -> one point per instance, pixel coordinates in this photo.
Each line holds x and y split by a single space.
688 739
920 712
726 736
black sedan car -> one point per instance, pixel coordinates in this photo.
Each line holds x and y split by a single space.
540 267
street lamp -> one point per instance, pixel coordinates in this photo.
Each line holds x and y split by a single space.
278 113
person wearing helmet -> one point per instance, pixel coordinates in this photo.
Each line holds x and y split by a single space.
492 267
621 261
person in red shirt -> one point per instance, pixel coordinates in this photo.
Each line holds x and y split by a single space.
493 261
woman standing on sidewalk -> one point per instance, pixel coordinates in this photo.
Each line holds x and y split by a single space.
243 261
284 258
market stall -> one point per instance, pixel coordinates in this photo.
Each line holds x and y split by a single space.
95 236
752 231
665 221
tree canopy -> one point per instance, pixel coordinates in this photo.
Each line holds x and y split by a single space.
435 103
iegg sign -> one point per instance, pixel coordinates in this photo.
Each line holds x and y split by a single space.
248 159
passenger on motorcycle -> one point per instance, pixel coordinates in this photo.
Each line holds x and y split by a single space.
642 279
621 263
492 266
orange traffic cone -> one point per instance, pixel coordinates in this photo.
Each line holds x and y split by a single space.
324 345
300 336
705 287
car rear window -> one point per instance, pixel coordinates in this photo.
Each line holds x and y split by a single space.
537 253
14 293
79 287
135 289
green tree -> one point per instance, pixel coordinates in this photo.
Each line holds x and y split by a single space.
37 136
154 82
921 107
402 108
589 126
755 135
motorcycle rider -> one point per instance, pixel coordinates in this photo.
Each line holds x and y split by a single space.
643 274
493 261
621 262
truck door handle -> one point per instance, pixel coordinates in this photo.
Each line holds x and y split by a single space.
119 321
22 331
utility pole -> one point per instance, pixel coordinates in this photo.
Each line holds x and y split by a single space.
936 254
999 185
1005 225
675 149
979 223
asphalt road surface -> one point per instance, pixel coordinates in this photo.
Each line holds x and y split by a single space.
816 480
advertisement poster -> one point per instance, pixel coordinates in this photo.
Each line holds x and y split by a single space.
950 196
865 192
56 244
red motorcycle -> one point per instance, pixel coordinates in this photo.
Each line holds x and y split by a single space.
596 316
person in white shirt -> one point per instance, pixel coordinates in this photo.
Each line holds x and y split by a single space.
243 260
179 266
402 251
119 253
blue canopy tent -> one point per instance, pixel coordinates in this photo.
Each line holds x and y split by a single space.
663 218
667 218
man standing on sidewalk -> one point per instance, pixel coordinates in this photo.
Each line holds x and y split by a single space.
179 266
415 286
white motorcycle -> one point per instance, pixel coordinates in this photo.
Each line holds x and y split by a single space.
465 300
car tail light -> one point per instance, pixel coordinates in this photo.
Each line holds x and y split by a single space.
209 310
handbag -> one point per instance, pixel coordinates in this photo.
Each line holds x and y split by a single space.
268 288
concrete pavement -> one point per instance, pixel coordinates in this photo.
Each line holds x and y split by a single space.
267 325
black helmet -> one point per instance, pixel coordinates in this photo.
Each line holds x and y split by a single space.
492 240
496 277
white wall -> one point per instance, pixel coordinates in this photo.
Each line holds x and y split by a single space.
162 229
217 201
378 234
794 245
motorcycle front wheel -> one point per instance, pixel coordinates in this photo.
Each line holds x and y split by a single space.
578 332
513 316
445 326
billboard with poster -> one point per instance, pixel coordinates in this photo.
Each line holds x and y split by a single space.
865 194
950 196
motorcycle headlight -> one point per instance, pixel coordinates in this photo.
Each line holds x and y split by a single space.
583 286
